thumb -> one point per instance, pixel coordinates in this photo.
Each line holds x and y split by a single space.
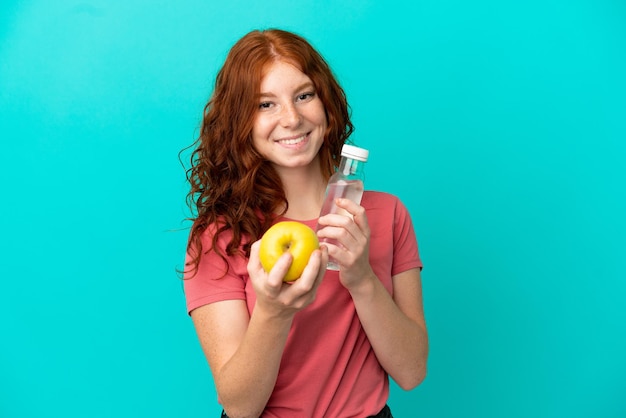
279 271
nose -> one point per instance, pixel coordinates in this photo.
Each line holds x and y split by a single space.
290 116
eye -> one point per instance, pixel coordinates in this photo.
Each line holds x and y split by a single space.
305 96
265 105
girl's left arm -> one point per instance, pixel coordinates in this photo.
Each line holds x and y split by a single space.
395 326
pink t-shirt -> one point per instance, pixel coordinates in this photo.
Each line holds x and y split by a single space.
328 368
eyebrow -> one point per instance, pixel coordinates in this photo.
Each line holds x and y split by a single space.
303 86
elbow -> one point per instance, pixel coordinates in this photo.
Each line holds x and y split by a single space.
413 380
234 408
241 413
239 405
415 375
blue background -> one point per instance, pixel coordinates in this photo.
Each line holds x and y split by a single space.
501 125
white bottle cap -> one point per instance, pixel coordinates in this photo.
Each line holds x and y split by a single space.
355 153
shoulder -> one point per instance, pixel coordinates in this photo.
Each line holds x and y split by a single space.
385 210
213 251
220 233
392 234
380 201
393 245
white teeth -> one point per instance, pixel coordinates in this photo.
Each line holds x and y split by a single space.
292 141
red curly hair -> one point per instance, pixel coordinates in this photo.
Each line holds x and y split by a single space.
232 186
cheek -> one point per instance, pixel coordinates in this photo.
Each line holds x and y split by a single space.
261 133
321 116
261 128
323 123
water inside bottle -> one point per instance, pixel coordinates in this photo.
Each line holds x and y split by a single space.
352 190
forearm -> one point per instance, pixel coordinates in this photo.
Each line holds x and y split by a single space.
399 342
247 380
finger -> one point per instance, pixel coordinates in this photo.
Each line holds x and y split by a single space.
337 222
254 263
332 219
342 236
357 212
360 219
348 205
331 249
307 280
275 277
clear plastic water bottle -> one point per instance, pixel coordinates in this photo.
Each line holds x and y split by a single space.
346 183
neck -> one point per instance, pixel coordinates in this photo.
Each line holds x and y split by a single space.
304 189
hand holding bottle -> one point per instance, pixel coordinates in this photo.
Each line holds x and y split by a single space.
348 240
346 183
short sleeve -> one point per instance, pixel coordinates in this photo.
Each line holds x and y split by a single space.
405 251
217 278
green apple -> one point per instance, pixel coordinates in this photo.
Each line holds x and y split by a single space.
295 237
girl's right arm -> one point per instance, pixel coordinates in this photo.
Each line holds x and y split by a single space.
244 351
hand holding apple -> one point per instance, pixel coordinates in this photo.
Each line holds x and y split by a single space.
294 237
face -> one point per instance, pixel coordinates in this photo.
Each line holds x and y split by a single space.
290 121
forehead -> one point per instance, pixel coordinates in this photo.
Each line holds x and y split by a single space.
282 74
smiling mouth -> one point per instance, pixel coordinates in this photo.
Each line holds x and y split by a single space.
293 141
